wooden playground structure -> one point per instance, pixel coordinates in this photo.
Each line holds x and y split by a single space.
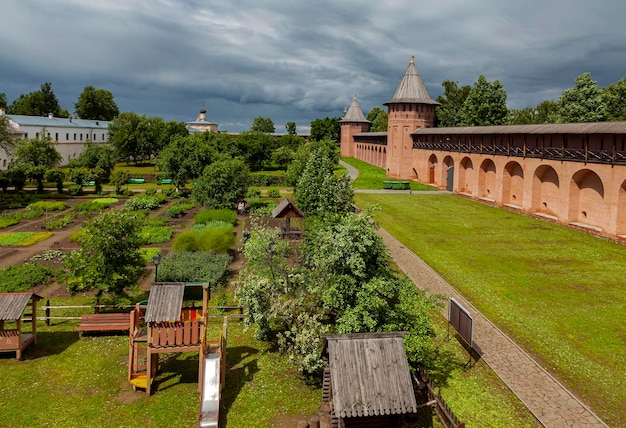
12 308
169 327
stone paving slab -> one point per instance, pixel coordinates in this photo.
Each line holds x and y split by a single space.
552 404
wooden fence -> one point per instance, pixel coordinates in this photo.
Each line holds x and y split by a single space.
444 413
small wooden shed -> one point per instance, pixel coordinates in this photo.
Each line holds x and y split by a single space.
368 380
12 308
288 210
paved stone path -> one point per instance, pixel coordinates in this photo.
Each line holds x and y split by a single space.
551 403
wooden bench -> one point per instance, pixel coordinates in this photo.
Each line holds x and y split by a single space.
104 322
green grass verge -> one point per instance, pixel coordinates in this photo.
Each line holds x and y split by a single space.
371 177
68 380
557 291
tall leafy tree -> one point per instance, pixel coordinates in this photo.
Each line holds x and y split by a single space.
319 191
615 100
452 100
378 118
263 124
291 128
96 104
325 129
38 103
222 184
582 103
255 148
3 100
38 155
485 104
98 158
108 259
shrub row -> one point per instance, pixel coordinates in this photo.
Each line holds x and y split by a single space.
206 216
185 266
267 180
24 276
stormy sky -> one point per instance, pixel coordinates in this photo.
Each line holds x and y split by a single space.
297 60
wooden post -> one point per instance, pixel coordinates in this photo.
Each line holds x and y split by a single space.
97 308
48 312
314 421
325 421
33 317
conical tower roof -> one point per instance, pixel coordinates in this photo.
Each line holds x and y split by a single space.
354 113
411 89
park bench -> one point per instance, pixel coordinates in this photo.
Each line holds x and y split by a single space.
136 180
104 322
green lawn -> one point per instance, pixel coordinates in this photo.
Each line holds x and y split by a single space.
71 381
558 292
372 177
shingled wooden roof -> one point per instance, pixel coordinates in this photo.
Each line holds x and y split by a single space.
369 374
165 302
12 305
286 208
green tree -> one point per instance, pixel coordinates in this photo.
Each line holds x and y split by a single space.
38 103
255 148
108 259
222 184
325 129
17 174
96 104
282 156
56 175
485 104
582 103
38 155
451 104
296 167
379 120
7 139
185 158
545 112
521 116
3 100
615 100
119 179
291 128
319 191
263 124
96 156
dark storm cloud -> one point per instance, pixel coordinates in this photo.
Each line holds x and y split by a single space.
298 61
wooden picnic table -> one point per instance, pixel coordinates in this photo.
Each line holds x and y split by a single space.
113 321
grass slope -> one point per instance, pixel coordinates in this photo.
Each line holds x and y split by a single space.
372 177
557 291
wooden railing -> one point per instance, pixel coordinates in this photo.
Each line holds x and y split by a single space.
444 413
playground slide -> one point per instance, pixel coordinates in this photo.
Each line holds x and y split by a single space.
210 400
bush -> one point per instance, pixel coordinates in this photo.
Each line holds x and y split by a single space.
75 189
145 202
206 216
47 206
216 239
185 241
151 191
22 239
175 211
183 266
59 221
155 234
253 192
201 227
24 276
273 193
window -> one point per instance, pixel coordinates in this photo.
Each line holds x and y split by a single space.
56 137
94 137
67 136
26 135
103 139
81 137
74 136
37 135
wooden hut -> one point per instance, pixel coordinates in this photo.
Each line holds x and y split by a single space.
368 383
169 327
287 210
12 308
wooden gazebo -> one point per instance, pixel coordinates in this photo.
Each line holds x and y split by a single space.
368 380
12 307
288 210
169 327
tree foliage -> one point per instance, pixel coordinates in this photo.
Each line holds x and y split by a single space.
108 259
291 128
325 129
379 120
96 104
318 190
615 100
485 104
222 184
263 124
96 157
38 103
38 155
452 100
582 103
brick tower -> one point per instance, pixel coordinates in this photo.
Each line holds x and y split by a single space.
352 123
410 108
